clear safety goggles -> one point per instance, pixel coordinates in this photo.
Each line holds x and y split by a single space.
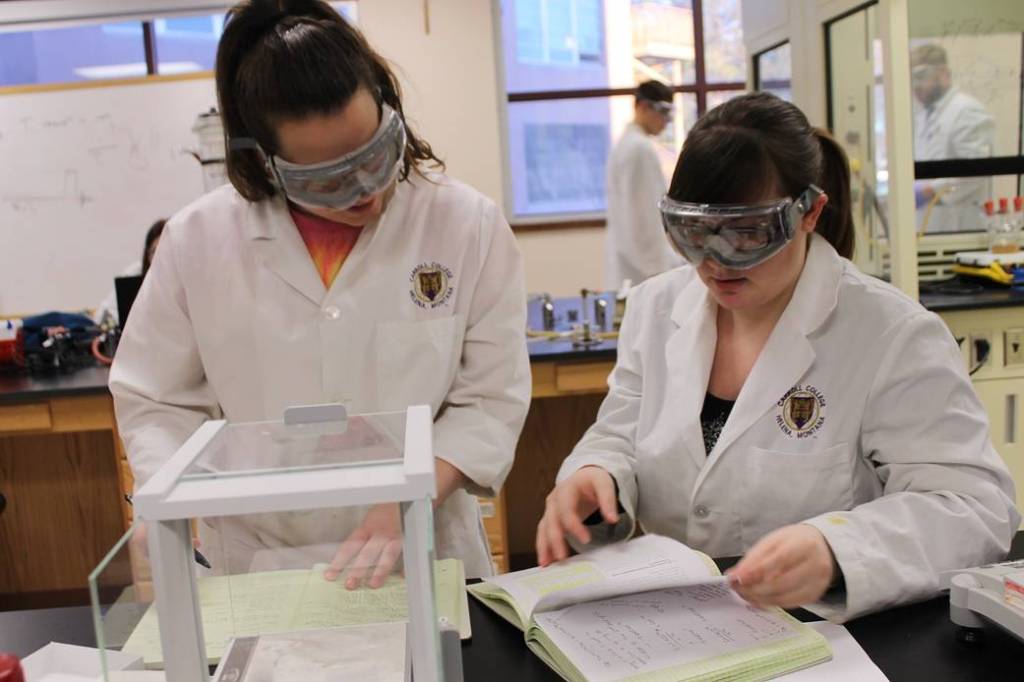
922 72
737 236
342 182
664 108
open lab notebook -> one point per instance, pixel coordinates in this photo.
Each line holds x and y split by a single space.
648 610
273 602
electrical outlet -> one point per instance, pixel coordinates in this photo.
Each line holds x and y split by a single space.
1013 347
980 349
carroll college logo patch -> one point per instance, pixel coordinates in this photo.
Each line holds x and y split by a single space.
801 411
431 285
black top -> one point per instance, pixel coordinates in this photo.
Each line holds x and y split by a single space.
712 419
85 381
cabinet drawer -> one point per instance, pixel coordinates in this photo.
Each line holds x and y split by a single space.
584 376
30 417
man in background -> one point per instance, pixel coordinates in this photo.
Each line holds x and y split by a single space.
948 124
636 246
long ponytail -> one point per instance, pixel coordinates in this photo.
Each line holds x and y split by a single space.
836 221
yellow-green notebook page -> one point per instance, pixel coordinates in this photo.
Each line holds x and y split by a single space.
703 633
283 601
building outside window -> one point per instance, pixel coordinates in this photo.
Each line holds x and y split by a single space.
570 69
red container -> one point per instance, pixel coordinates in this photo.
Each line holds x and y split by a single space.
10 669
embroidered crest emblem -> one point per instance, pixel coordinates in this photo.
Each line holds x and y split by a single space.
431 285
802 411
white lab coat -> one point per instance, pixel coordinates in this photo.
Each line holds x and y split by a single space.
893 463
957 126
233 321
636 246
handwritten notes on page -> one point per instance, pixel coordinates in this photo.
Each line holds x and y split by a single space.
659 632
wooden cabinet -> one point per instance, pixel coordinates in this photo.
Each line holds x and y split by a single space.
566 397
61 477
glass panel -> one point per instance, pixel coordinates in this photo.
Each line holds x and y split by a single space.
857 110
61 55
261 447
558 150
589 44
775 71
186 44
725 59
716 97
289 594
121 588
958 204
966 76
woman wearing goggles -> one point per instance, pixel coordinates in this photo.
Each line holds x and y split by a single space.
770 400
339 266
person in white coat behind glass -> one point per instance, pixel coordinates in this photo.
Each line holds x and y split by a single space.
774 402
335 268
635 243
948 124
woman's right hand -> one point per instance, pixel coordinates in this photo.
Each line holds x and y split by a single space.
572 501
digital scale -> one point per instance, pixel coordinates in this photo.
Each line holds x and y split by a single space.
983 596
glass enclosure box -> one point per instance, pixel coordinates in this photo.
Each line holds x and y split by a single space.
286 550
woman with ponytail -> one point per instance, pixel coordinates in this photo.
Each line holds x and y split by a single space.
338 266
770 400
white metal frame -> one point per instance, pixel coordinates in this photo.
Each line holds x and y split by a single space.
166 503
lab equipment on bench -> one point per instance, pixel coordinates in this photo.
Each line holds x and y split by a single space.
586 321
985 596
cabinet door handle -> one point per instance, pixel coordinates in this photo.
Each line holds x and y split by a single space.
1011 418
3 503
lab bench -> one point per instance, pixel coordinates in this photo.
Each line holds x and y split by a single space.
63 471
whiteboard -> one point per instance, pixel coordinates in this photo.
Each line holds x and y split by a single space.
83 174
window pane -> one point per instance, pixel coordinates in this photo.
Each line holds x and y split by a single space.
958 204
59 55
186 44
774 72
716 97
559 149
725 59
587 44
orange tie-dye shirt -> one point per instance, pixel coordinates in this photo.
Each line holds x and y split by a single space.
328 242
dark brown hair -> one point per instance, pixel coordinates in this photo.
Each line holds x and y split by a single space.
152 234
653 91
289 59
754 146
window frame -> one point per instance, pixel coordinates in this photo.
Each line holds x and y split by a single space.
755 68
700 87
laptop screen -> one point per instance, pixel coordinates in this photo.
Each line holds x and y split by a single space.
126 288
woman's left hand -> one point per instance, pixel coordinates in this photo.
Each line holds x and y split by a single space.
789 567
372 551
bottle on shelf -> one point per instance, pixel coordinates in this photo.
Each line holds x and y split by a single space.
1004 237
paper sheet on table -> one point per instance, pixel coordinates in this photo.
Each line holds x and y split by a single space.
850 663
283 601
